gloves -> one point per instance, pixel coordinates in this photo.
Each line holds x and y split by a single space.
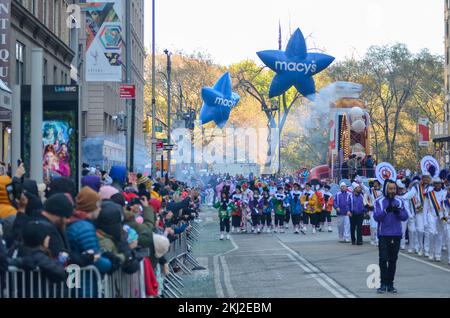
115 261
87 258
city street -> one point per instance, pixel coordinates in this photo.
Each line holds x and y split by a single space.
288 265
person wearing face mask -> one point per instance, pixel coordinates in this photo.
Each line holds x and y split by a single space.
389 213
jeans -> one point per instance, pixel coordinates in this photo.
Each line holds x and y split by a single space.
388 247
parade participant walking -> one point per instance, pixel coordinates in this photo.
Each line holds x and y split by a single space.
287 205
341 204
446 219
255 207
434 219
309 209
296 207
408 199
280 213
389 213
223 207
267 211
247 196
236 213
328 208
371 196
356 214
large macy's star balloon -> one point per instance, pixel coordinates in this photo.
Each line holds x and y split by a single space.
218 102
295 67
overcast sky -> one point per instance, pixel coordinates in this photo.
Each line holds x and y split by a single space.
233 30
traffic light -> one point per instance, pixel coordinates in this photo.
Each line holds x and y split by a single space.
146 128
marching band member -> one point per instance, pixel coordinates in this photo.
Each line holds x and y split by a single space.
434 219
371 196
405 196
341 204
446 219
287 192
356 213
389 213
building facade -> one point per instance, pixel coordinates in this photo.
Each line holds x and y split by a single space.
28 24
102 130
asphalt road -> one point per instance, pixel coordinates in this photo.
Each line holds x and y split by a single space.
298 266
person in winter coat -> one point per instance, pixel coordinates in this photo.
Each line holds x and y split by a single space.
6 208
341 204
81 231
389 213
35 253
296 207
113 239
93 182
119 176
356 213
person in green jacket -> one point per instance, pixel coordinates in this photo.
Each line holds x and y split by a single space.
224 207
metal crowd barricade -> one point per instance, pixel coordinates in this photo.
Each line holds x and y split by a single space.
122 285
18 283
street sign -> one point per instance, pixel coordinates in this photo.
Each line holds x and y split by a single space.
159 129
127 91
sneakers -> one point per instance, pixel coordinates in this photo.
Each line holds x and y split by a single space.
427 254
372 243
410 251
430 257
391 289
268 230
221 237
346 241
296 231
253 230
275 230
313 231
228 237
438 259
286 227
233 230
420 253
330 230
382 290
303 231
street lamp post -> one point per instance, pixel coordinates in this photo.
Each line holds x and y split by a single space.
153 92
169 106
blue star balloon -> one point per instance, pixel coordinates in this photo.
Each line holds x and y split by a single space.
218 102
295 67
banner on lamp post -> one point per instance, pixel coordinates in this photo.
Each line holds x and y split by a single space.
104 40
424 132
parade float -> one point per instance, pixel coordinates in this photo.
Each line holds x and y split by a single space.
349 125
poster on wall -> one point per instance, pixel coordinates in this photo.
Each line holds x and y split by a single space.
60 133
104 42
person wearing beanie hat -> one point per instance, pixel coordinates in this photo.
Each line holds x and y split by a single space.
132 237
81 231
35 253
62 185
356 213
112 237
161 245
88 201
119 176
94 182
6 208
106 192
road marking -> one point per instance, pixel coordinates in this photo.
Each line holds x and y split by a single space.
337 289
218 285
226 272
226 275
318 279
425 262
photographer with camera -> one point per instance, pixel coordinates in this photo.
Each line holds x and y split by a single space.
389 213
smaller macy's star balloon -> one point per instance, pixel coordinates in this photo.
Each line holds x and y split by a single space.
295 67
218 102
